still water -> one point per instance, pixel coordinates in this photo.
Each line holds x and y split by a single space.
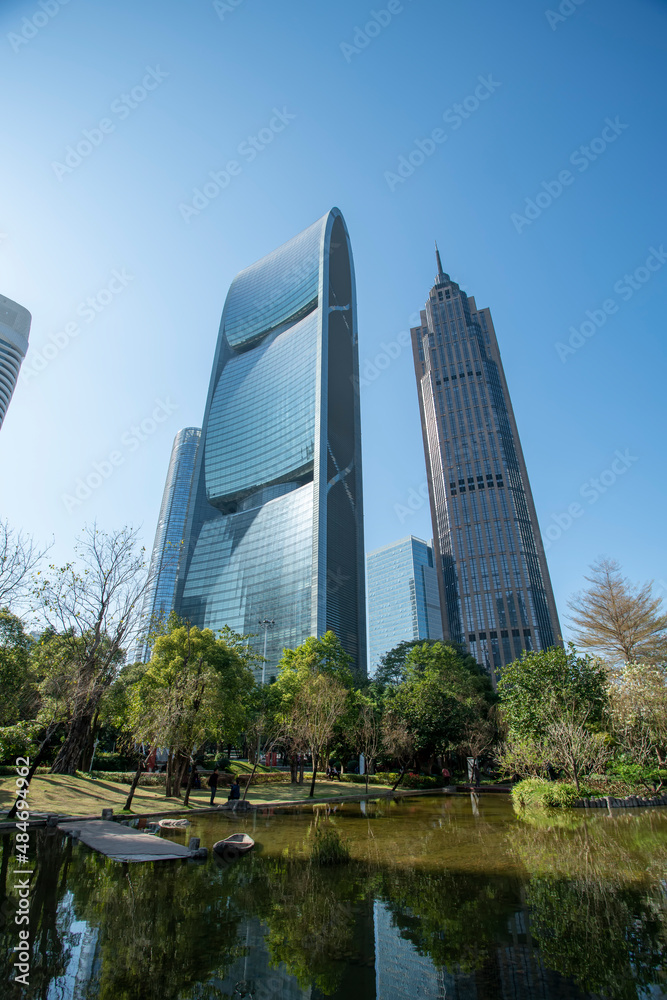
445 897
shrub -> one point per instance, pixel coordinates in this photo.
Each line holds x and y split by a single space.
113 761
329 848
537 792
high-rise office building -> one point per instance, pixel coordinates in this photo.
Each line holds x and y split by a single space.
170 532
495 590
403 597
14 330
275 529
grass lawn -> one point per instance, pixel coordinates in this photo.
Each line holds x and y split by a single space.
72 796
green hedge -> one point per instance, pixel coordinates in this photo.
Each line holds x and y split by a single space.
540 793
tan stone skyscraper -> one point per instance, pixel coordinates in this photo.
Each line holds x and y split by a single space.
496 595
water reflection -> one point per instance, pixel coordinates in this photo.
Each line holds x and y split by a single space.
444 897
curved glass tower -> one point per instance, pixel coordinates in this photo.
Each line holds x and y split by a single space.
276 527
170 531
14 330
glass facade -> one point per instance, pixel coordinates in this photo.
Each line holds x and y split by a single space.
170 531
14 330
275 528
494 582
403 598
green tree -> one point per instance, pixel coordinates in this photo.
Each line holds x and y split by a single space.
443 692
193 689
554 704
392 669
311 697
543 686
18 695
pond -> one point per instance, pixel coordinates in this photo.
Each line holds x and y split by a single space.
444 897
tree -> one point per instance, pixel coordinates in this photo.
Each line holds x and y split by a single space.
368 733
572 747
18 696
397 742
443 691
94 612
638 701
553 705
317 708
19 557
618 620
193 689
311 695
542 686
393 665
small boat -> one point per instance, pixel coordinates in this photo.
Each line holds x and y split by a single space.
173 824
238 843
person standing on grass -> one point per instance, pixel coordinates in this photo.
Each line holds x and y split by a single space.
213 784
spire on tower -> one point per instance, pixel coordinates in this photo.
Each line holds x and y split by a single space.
439 262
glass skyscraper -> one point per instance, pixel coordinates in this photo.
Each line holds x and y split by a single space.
14 330
170 531
403 599
275 529
495 590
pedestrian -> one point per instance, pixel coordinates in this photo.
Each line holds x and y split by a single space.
213 783
196 783
235 790
446 775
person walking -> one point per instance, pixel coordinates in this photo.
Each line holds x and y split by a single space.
213 783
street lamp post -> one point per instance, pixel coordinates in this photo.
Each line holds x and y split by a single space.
266 624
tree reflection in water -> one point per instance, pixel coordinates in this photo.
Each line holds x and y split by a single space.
566 910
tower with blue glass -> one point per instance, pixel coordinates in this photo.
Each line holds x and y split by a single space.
403 597
172 521
275 528
495 589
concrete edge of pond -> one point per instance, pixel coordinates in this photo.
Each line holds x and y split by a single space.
53 819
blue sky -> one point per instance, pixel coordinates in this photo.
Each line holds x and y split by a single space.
351 101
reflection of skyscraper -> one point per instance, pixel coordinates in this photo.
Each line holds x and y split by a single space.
494 583
401 973
170 531
275 529
14 330
403 599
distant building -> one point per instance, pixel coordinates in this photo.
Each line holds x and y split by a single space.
275 529
495 590
403 599
14 330
170 531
